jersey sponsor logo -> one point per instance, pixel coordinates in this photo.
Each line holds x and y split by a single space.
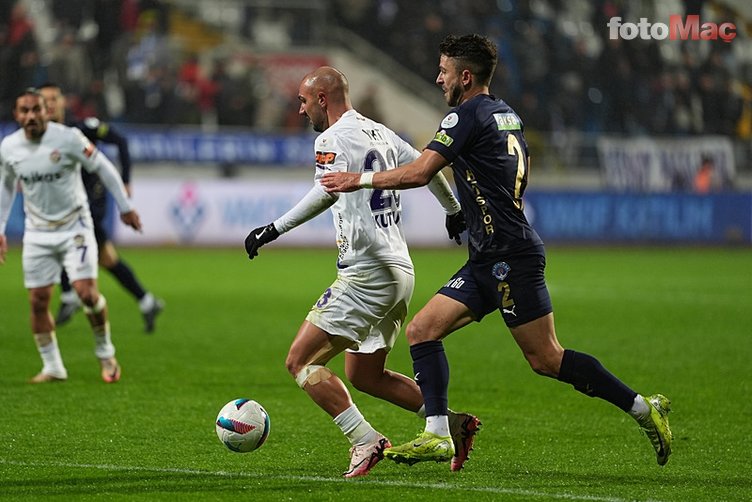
501 270
443 138
450 120
324 158
507 122
455 283
37 177
55 156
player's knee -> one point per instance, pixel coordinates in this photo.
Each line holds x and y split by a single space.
40 301
418 331
543 365
311 374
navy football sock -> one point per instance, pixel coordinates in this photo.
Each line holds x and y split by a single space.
65 284
587 375
127 278
432 375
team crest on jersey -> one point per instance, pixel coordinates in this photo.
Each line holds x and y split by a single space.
450 120
324 158
501 270
79 240
55 156
443 138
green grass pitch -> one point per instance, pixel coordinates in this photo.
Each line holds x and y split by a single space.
676 321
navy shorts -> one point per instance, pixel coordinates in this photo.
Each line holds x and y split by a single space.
514 285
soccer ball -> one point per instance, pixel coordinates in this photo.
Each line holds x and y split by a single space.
243 425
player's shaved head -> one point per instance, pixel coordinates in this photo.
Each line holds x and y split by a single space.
331 82
324 95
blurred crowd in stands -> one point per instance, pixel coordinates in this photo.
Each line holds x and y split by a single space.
559 69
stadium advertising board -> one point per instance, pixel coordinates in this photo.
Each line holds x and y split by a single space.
663 165
221 212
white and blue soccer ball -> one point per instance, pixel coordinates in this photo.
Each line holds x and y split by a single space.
243 425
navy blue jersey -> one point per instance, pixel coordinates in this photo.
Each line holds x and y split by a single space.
97 131
483 140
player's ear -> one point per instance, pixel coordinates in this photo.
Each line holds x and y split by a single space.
466 77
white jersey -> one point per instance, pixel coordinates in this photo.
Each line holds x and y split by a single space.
367 222
49 172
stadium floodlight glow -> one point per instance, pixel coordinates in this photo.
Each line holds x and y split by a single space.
676 29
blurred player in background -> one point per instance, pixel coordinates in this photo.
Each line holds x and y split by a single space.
363 310
45 159
97 131
482 139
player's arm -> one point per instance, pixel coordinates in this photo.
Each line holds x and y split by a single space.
7 194
95 162
108 134
415 174
315 202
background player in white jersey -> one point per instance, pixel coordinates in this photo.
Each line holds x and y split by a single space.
45 159
363 310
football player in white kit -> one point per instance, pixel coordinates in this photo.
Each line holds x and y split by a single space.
363 310
45 160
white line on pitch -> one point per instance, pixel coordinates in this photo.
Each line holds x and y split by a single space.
406 484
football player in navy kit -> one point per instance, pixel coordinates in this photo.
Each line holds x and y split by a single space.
482 139
97 131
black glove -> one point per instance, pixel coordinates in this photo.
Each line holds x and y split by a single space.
455 225
258 237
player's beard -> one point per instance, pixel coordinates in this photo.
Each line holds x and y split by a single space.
454 95
34 129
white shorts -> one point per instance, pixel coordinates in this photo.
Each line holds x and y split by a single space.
46 253
366 307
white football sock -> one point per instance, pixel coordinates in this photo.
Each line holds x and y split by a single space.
103 347
438 424
355 427
640 409
146 303
52 361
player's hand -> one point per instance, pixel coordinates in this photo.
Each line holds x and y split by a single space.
132 219
455 225
3 248
341 182
258 237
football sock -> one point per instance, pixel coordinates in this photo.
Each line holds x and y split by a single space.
146 303
355 427
438 424
432 375
52 361
422 411
640 409
69 296
103 347
587 375
127 278
65 284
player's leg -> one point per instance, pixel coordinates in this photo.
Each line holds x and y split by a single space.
306 361
438 318
149 306
95 308
80 261
41 268
527 311
69 303
43 328
368 374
